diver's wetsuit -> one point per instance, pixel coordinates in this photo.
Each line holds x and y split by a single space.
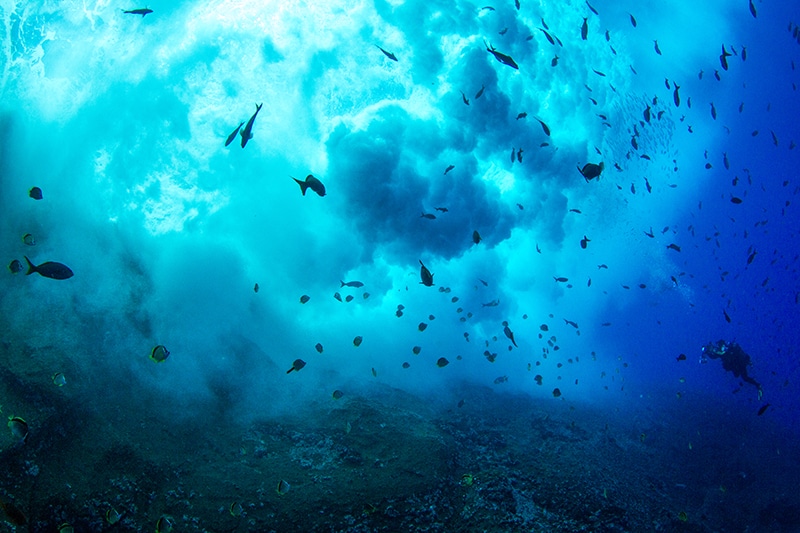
734 359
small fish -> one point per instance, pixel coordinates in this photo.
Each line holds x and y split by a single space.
59 380
599 74
736 200
425 275
763 409
318 347
723 58
142 12
556 393
658 50
374 375
681 357
406 365
449 168
255 287
554 61
429 216
751 257
310 183
522 115
416 349
422 326
35 193
519 155
476 237
233 135
284 487
753 9
647 185
502 58
297 365
480 93
633 20
442 362
337 296
464 98
236 509
676 97
599 267
357 340
584 242
591 171
348 298
673 246
548 36
513 154
18 427
387 54
15 266
159 353
501 379
571 323
727 317
584 29
575 211
493 303
545 127
337 394
28 240
164 525
304 298
112 516
560 279
593 10
355 284
508 333
247 132
441 209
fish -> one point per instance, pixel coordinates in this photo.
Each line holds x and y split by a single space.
681 357
284 487
113 516
304 298
753 9
422 326
545 127
584 29
442 209
723 58
13 514
416 349
599 74
35 193
727 317
744 53
449 168
673 246
763 409
355 284
357 340
554 61
59 380
142 11
647 114
297 365
751 257
318 347
235 509
501 379
547 35
736 200
575 211
513 154
519 155
425 275
247 132
159 353
633 20
29 240
233 135
493 303
713 111
716 75
676 97
476 237
390 55
647 185
255 287
570 323
599 267
442 362
560 279
15 266
502 58
591 171
337 296
337 394
406 365
584 242
556 393
429 216
593 10
19 428
310 183
348 298
508 333
464 98
480 92
658 50
522 115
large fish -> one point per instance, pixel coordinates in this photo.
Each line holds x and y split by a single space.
504 59
311 183
233 135
247 132
50 269
425 275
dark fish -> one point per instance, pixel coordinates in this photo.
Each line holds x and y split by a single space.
318 347
480 93
508 333
713 111
591 171
15 266
422 326
233 135
647 185
442 209
449 168
476 237
753 9
513 154
571 323
337 394
633 20
560 279
547 35
310 183
425 275
503 58
556 393
584 242
676 97
735 200
429 216
357 340
519 155
337 296
355 284
584 29
35 193
647 114
554 61
681 357
674 246
751 257
387 54
545 128
727 316
723 58
744 53
764 407
599 74
442 362
575 211
142 12
522 115
658 50
600 267
593 10
50 269
464 98
297 365
304 298
247 132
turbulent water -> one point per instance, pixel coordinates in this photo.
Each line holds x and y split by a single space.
480 305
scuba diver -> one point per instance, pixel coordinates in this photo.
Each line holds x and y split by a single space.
734 359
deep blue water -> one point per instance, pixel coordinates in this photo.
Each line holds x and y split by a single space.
121 120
